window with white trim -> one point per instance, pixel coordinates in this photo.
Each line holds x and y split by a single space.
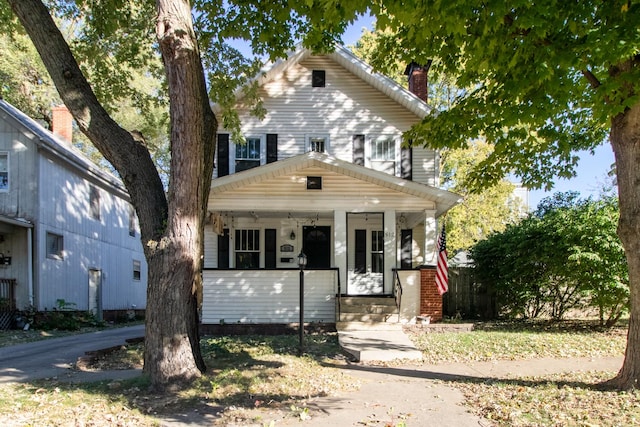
249 154
247 248
137 269
377 251
317 143
55 246
4 171
384 153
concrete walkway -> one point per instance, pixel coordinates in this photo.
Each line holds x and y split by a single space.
383 342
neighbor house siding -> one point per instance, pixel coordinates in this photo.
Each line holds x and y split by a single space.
89 243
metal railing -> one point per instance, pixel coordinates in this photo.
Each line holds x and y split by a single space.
7 302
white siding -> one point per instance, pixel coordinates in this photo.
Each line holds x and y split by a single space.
347 106
271 296
103 244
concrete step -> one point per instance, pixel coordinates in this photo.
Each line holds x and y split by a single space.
368 317
366 345
366 300
368 326
369 309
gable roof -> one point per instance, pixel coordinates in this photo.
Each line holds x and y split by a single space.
62 150
443 199
345 58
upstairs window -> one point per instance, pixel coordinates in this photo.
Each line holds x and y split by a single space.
4 171
317 143
94 203
248 155
137 269
384 153
132 222
318 78
55 246
247 245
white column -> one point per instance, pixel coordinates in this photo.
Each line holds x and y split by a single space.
390 252
430 236
340 246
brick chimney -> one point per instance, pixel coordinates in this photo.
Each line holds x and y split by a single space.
61 123
417 75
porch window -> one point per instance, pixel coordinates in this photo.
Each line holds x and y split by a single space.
248 154
4 171
377 251
247 245
384 154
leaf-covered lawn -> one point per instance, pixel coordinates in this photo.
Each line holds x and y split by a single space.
520 341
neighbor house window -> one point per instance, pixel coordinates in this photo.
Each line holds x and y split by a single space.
247 244
384 154
137 269
377 251
248 154
317 143
55 246
94 202
4 171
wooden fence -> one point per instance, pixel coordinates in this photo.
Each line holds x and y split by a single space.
467 299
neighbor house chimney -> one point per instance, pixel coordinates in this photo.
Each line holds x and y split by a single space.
417 75
61 123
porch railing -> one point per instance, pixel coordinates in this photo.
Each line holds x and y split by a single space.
7 302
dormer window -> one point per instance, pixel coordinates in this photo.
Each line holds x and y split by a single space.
318 78
384 154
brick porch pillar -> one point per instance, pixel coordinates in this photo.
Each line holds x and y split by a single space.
430 299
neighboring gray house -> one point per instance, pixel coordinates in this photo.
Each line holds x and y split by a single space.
67 229
324 172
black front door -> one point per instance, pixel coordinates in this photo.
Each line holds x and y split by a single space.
317 246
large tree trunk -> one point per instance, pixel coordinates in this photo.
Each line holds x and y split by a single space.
625 140
173 353
171 230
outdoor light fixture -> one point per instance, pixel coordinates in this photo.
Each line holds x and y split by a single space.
292 236
302 262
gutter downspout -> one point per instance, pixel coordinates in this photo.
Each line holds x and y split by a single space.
30 264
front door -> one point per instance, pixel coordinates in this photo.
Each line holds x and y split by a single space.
365 255
317 246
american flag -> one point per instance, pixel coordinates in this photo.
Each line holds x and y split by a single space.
442 269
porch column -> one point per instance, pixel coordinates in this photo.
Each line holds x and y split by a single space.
430 236
390 249
340 245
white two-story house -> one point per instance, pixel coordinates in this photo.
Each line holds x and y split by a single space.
68 233
325 173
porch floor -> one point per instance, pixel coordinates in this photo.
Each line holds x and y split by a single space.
368 342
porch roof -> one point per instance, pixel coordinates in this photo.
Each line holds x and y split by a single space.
443 200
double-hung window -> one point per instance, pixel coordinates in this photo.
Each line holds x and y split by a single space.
4 171
248 155
247 245
384 154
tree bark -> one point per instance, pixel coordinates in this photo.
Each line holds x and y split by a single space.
625 140
172 228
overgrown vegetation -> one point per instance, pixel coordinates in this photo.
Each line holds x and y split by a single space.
564 256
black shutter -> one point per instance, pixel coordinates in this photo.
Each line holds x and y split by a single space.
272 147
223 249
223 154
358 150
406 239
406 162
270 248
361 252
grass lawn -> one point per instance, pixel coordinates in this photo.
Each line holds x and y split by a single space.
254 377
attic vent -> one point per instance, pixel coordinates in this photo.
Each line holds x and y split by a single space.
318 78
314 183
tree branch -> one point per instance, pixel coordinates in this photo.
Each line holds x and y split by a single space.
591 78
